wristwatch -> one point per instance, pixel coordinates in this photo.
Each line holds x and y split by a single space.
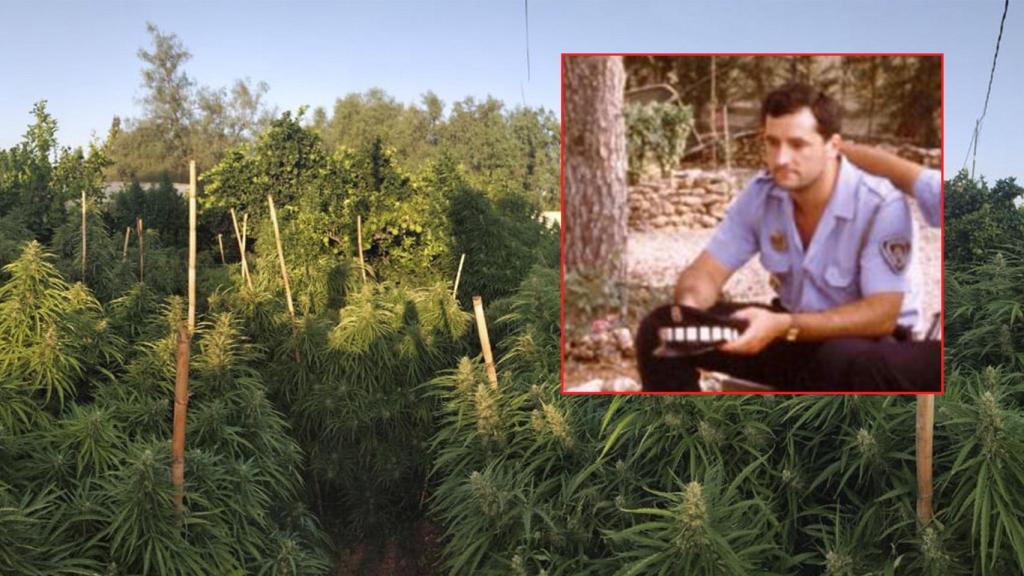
793 332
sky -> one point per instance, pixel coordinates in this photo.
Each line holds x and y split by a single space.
82 56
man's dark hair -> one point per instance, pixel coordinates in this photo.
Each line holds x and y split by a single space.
792 97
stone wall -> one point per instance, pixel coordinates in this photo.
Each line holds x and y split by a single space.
690 199
930 157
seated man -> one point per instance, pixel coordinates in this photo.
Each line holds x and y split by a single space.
838 244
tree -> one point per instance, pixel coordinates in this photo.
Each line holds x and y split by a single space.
913 88
37 178
980 220
169 98
595 167
181 120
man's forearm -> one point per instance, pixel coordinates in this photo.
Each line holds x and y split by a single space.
901 172
695 288
871 317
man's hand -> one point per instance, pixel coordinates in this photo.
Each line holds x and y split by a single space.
699 285
763 328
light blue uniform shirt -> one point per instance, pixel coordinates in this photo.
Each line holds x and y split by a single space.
861 246
928 192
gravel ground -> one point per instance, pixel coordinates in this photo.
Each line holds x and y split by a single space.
655 259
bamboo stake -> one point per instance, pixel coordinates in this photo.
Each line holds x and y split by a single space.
241 249
458 275
180 408
245 246
142 251
925 429
84 236
191 246
485 341
280 257
220 242
124 251
359 239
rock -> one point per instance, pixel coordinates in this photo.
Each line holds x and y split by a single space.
622 384
720 188
707 221
623 339
595 385
583 349
605 345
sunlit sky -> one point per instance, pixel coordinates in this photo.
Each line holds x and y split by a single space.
82 56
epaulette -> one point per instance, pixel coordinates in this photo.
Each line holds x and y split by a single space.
881 187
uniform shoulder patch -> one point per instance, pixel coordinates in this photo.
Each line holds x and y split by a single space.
896 252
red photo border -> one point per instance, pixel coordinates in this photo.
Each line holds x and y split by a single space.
942 227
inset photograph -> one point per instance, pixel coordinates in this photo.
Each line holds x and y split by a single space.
752 223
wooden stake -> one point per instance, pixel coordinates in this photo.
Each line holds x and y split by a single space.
245 246
485 341
180 408
280 256
925 429
84 236
241 249
220 242
458 275
191 246
359 239
124 251
138 232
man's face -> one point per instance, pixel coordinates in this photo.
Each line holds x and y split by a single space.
795 152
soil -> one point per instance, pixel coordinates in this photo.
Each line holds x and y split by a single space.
410 550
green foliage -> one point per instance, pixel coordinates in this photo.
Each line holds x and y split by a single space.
106 274
405 231
84 441
528 480
656 130
354 387
182 121
501 239
980 220
51 332
161 207
37 178
286 161
499 150
988 429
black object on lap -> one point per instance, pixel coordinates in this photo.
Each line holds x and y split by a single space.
691 331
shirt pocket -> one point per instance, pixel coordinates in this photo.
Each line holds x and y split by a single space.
841 282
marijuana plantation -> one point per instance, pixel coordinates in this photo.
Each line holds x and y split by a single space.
339 396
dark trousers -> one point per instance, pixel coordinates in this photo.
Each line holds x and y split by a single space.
838 365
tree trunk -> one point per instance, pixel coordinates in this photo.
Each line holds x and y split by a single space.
595 205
